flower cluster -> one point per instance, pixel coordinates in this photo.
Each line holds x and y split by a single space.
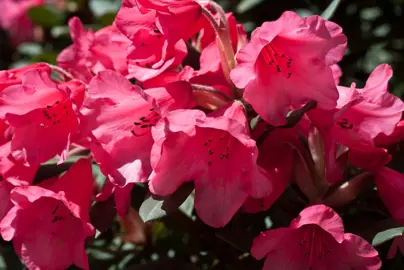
237 125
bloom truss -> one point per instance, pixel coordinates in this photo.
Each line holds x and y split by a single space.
126 94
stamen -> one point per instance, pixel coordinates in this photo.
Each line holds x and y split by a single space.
272 55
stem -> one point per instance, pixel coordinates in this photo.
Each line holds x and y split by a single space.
64 74
221 12
223 40
205 88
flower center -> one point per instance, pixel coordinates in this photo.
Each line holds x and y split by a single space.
344 123
314 245
149 54
56 113
218 146
277 60
145 122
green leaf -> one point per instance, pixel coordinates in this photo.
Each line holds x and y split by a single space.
30 49
246 5
46 16
107 18
48 57
155 207
387 235
187 207
330 10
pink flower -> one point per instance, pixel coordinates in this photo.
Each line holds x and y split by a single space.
43 109
120 116
49 226
360 116
287 63
12 174
216 152
314 240
151 53
170 16
378 112
91 52
16 20
395 137
390 186
13 76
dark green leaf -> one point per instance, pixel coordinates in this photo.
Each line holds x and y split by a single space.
46 16
330 10
155 207
246 5
107 18
387 235
48 57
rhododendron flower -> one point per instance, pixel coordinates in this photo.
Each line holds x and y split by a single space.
151 53
395 137
378 112
314 240
16 21
216 152
48 226
390 186
92 52
287 62
360 116
13 76
120 117
12 174
43 109
170 16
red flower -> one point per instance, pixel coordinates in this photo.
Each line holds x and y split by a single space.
13 76
170 16
151 53
45 110
216 152
287 62
48 226
120 116
315 240
12 174
362 115
91 52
